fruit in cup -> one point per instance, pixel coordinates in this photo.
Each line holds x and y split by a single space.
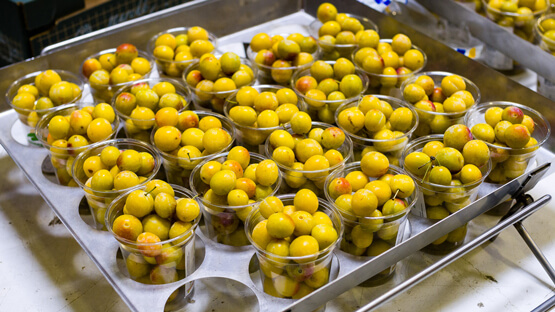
277 56
519 15
438 105
154 256
307 239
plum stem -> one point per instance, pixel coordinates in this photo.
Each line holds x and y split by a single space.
151 190
396 192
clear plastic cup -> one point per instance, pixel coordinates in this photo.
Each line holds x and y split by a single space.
387 231
440 201
164 262
389 84
62 158
324 110
436 122
99 201
335 51
140 129
295 277
173 68
178 169
223 223
103 93
314 180
253 137
30 117
211 100
391 148
545 87
509 163
520 23
278 75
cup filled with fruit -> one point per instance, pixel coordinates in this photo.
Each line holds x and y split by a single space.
212 79
278 56
155 226
259 110
70 129
138 102
175 49
339 34
441 99
513 132
228 186
378 123
326 85
389 62
545 31
36 94
295 236
110 168
374 199
307 152
186 139
448 170
111 69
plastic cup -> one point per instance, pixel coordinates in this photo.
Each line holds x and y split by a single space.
103 93
224 224
324 110
30 117
211 100
62 158
393 148
335 51
99 201
314 180
140 129
278 75
389 84
291 277
253 137
440 201
178 169
436 122
387 231
164 262
173 68
509 163
545 87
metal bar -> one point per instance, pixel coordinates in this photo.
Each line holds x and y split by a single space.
535 250
521 215
522 51
520 202
544 307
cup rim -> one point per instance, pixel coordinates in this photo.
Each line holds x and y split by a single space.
328 250
312 28
111 208
142 54
19 81
306 72
177 31
43 123
393 168
407 75
475 110
206 205
539 30
397 101
467 81
180 90
322 125
439 187
113 142
233 134
195 62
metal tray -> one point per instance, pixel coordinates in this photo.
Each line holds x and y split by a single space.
216 269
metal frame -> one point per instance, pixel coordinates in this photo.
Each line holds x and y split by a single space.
101 247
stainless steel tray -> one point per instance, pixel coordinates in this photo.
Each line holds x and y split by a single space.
216 268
